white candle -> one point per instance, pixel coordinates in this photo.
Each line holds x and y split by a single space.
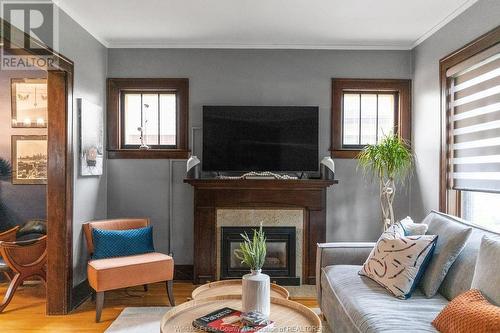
27 121
40 121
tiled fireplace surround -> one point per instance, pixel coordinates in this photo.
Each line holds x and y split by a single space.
268 218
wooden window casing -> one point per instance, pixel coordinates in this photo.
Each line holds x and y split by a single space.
402 120
116 146
450 199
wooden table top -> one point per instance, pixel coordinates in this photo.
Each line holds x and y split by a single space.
232 287
288 316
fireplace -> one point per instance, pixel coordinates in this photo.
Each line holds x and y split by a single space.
280 259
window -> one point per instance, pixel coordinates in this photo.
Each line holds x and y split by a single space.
481 208
147 118
470 160
364 111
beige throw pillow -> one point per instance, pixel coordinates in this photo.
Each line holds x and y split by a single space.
397 262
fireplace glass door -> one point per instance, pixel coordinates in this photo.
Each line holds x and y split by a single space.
280 254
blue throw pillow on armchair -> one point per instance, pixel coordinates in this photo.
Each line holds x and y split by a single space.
121 243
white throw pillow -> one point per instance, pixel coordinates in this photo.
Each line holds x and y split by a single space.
398 262
411 228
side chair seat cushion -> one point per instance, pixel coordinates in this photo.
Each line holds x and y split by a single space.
122 272
121 243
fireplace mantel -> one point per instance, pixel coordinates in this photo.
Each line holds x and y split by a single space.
211 194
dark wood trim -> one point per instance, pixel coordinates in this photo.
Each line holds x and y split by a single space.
151 154
114 88
211 194
59 172
449 199
403 119
183 273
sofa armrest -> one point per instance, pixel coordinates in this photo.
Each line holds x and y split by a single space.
340 253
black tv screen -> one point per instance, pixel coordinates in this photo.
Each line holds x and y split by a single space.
260 138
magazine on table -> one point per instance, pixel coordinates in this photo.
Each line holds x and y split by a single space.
227 320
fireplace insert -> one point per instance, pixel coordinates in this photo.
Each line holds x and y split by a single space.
280 258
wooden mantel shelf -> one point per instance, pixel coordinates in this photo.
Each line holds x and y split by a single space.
211 194
280 184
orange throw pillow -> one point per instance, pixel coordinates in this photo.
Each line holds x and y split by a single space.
468 312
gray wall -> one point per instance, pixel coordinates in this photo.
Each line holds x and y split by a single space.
90 58
477 20
248 77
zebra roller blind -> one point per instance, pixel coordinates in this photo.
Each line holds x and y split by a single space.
474 122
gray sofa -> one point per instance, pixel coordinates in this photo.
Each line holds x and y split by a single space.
354 303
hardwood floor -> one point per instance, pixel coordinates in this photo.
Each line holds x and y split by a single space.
26 312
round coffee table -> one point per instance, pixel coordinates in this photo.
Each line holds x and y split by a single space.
288 316
232 287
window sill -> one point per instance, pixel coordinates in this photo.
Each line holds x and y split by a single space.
344 153
148 154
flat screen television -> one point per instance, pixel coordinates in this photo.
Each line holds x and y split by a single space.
260 138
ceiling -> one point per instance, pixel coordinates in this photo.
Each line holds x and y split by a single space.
272 24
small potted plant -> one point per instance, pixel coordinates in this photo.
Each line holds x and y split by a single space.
256 285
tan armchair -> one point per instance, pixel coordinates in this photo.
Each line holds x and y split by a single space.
121 272
26 259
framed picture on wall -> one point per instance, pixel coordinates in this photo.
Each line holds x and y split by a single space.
29 159
91 138
29 103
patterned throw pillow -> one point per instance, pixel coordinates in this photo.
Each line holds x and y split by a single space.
121 243
398 262
468 312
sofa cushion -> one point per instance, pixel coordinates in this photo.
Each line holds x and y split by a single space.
487 272
398 262
371 309
452 238
114 273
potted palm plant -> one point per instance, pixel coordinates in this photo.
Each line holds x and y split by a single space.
256 286
5 173
390 161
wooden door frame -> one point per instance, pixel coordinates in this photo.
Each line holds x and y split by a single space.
59 176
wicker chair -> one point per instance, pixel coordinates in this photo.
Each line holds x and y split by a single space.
26 259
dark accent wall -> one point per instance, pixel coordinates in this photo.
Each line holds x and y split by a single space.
18 203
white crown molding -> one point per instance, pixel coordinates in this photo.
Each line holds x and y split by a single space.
216 45
168 45
77 18
462 8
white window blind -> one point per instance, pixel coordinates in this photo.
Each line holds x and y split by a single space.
474 105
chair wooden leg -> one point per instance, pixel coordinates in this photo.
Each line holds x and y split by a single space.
14 283
170 292
145 287
98 305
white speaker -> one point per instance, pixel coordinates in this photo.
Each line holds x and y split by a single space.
193 167
327 168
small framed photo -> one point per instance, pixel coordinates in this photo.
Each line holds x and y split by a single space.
29 159
29 103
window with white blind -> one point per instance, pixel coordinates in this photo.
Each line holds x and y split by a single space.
471 79
474 102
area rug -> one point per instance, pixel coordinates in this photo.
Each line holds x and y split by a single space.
147 320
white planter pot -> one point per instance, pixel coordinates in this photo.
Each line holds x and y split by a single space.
256 293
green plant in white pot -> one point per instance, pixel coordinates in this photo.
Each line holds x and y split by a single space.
390 161
256 286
